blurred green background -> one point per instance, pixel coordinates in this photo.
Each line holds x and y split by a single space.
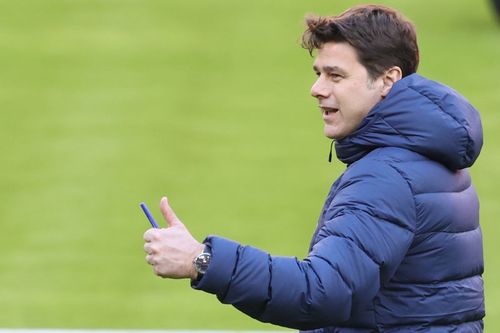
105 104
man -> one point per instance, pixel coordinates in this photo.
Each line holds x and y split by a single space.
398 246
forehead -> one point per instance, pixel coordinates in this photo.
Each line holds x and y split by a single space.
340 55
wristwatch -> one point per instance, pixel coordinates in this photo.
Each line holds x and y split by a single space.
202 261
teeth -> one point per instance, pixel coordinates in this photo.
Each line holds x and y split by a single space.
329 110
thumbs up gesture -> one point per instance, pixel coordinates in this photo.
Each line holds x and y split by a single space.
171 250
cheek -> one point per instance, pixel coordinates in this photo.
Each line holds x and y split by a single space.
354 119
356 110
364 101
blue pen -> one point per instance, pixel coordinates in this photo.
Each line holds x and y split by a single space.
148 215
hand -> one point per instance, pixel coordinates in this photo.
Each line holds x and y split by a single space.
171 250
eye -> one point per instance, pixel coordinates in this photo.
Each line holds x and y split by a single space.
317 73
335 76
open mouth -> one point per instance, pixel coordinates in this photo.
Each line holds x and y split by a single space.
326 110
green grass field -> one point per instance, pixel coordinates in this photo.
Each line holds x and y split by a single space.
105 104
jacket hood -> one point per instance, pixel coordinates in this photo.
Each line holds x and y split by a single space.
421 115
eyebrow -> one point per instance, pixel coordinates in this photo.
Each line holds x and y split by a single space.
329 69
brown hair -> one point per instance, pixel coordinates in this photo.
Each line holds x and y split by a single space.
381 36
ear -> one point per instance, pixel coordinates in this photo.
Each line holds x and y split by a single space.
391 76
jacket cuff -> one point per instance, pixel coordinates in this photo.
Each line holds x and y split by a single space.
218 276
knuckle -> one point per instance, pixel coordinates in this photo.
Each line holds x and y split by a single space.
150 259
152 234
157 270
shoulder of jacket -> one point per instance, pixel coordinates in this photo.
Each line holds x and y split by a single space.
381 166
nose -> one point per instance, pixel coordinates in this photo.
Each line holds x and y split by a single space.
319 89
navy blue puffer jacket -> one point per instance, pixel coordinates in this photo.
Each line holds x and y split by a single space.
398 246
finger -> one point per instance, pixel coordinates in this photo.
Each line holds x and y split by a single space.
159 271
149 259
147 248
149 235
168 213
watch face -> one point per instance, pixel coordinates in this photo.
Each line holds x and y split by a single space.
201 262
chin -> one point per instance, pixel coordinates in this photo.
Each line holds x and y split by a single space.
335 133
331 134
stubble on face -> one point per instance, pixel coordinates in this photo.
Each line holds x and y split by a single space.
344 89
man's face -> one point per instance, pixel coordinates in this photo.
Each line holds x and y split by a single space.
344 91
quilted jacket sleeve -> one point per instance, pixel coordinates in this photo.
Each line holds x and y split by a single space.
367 231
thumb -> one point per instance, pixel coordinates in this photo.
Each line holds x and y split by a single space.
168 213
